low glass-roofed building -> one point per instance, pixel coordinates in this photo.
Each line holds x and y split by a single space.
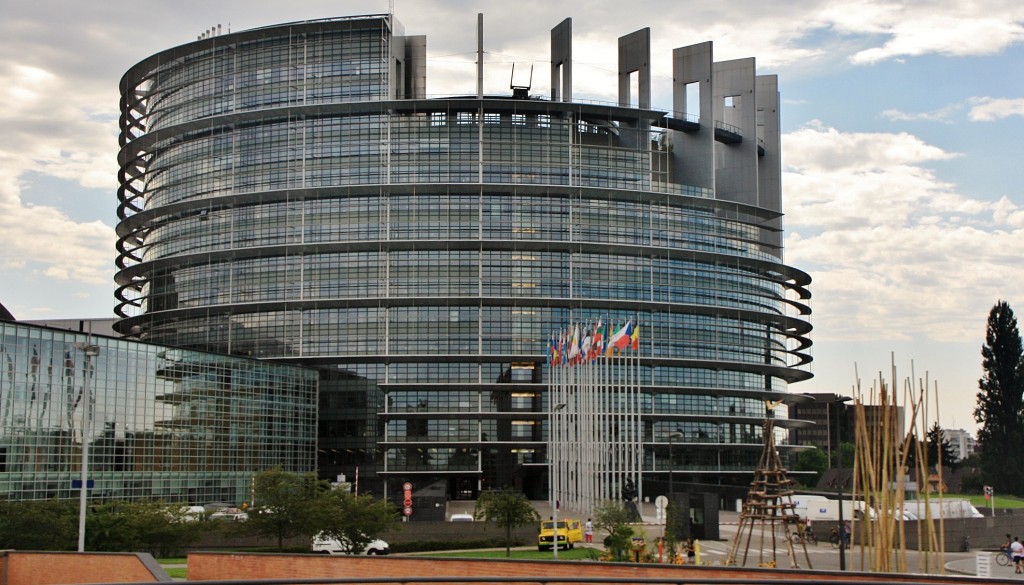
290 193
159 422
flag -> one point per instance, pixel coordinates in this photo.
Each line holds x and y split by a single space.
621 339
588 345
598 347
574 346
634 339
609 343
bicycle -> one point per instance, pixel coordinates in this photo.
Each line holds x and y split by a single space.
1003 558
806 537
835 539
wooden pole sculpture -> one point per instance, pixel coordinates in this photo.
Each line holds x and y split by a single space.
770 506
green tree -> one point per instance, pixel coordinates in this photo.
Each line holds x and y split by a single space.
39 525
141 526
613 518
999 407
843 455
939 449
508 509
287 505
814 461
354 521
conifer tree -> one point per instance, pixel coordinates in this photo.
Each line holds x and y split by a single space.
1000 406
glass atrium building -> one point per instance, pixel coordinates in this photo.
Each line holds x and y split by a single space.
290 193
160 423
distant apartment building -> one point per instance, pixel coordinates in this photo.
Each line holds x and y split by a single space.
962 442
834 420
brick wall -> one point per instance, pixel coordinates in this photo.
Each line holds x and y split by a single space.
214 566
60 568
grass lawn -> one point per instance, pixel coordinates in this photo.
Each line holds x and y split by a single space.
576 554
173 561
176 572
978 501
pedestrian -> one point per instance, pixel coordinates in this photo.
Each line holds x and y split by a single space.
588 531
847 533
691 551
1017 554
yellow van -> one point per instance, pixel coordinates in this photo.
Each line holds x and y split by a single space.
569 533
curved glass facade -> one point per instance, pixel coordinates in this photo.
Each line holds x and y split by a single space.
287 193
161 423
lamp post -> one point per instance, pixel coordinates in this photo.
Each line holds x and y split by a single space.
91 351
839 400
669 512
552 479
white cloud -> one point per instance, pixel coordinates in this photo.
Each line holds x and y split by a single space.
987 109
48 130
940 115
894 251
955 29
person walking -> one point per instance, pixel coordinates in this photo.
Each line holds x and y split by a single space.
1017 554
588 532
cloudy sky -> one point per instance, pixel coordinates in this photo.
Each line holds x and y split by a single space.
903 128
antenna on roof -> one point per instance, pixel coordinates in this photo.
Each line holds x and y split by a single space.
520 92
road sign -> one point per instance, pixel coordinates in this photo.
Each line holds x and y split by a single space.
407 511
76 484
988 492
408 502
407 486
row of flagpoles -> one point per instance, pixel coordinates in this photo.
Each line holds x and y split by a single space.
580 344
595 429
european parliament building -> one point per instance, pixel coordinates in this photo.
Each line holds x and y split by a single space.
291 193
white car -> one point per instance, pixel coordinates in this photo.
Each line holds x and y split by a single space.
334 547
192 513
230 514
461 518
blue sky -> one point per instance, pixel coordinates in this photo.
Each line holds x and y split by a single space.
903 125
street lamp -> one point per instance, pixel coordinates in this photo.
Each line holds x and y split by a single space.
672 437
671 488
91 351
839 400
552 479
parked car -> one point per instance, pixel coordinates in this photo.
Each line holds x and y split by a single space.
193 513
233 514
567 534
339 547
461 518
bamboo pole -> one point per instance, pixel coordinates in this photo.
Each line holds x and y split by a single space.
881 468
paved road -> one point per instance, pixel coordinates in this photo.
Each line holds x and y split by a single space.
822 556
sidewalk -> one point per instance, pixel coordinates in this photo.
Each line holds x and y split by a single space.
968 566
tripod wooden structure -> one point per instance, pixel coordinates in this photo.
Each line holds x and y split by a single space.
769 505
